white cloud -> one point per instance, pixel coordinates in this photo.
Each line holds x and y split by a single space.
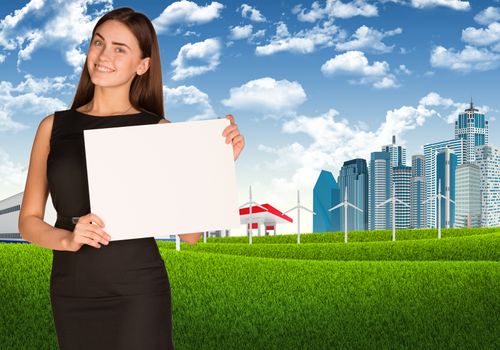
386 83
366 38
207 51
403 70
482 36
186 12
453 4
267 95
240 32
26 99
12 175
190 96
488 15
252 13
65 26
355 63
335 8
470 58
10 22
433 99
305 41
422 4
2 58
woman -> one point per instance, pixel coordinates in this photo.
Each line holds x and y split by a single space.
115 296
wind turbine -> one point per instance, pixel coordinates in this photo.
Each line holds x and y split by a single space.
298 207
251 203
345 204
393 201
439 196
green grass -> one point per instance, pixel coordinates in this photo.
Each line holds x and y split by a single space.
299 299
479 247
356 236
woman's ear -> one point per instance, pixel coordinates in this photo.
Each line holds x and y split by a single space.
144 66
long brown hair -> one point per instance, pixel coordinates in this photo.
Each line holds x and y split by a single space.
146 90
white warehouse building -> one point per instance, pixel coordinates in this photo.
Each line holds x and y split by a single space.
9 215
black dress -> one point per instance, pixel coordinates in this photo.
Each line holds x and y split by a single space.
116 297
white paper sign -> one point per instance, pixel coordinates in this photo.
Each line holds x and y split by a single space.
162 179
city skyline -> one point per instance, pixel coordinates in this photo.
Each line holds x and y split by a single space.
310 85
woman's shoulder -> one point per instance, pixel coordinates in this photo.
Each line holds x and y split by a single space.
159 118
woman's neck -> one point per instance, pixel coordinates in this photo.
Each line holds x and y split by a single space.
108 101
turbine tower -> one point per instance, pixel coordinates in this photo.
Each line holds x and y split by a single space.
345 204
251 204
439 196
393 201
298 207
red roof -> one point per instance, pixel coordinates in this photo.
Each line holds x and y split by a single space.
270 215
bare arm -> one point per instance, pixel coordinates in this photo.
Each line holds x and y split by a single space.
31 225
190 238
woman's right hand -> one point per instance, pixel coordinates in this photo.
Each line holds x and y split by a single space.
87 233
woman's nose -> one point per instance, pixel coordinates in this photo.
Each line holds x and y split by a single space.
105 54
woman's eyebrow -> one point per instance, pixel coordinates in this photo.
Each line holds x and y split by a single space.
113 42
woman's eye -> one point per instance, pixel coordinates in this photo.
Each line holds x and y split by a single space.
97 42
119 49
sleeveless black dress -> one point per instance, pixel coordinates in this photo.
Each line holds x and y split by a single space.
116 297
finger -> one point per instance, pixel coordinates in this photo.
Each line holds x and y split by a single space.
232 135
85 240
94 232
94 218
229 128
230 117
94 228
239 140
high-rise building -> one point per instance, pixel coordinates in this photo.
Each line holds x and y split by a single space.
401 176
468 196
472 127
488 160
354 178
417 192
430 153
326 195
397 153
446 166
379 183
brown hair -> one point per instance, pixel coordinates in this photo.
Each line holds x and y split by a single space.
146 90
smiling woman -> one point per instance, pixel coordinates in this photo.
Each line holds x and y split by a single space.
115 296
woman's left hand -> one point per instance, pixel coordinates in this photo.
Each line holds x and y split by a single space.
233 136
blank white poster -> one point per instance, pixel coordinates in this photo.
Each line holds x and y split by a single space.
162 179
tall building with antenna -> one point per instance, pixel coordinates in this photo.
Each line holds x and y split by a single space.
472 127
397 153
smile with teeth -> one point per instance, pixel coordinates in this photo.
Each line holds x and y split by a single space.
103 69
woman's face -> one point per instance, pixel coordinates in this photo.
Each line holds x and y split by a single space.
114 56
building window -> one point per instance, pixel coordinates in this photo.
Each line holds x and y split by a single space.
10 210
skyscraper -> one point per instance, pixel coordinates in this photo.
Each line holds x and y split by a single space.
397 153
379 191
430 153
472 127
326 194
354 177
417 188
401 176
488 160
468 196
446 165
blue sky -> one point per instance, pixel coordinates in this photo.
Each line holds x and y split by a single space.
311 84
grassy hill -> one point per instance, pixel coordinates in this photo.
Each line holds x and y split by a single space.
416 293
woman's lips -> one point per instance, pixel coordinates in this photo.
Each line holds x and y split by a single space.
104 69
